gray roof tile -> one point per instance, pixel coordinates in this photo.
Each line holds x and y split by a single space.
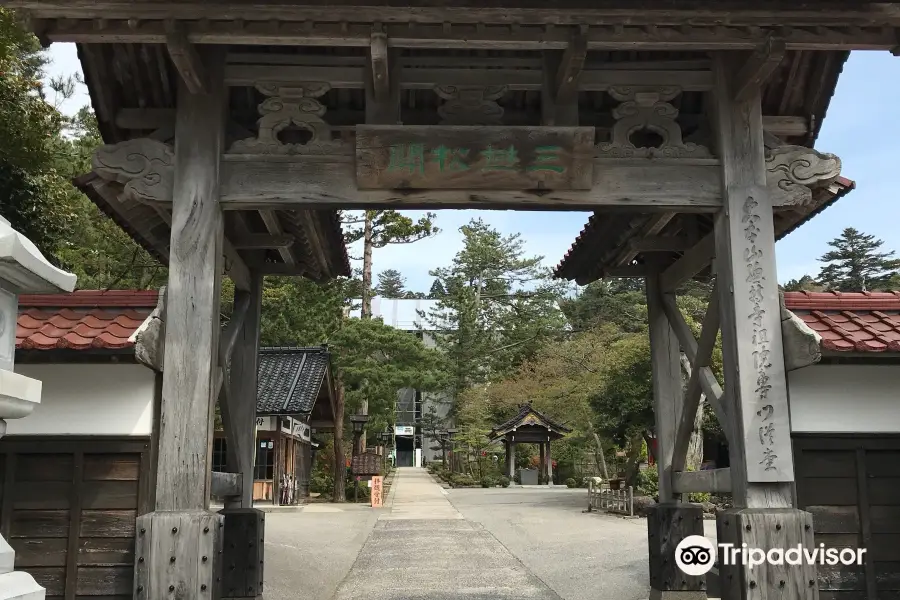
290 379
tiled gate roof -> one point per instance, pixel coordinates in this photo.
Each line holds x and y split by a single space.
850 321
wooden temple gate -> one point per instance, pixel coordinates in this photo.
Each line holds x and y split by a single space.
235 129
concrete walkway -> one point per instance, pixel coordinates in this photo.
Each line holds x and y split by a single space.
422 548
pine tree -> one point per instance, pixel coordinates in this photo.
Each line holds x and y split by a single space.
391 284
437 290
804 284
856 263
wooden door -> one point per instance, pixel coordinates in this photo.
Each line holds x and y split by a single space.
68 507
851 484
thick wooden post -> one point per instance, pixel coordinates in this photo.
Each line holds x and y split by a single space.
177 549
755 396
670 521
542 465
510 459
549 466
244 529
667 390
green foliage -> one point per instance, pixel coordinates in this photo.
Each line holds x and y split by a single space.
374 360
488 482
647 483
391 284
856 263
388 227
503 481
804 284
462 480
700 497
437 290
498 310
619 302
570 483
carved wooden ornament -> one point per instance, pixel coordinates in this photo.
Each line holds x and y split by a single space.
795 170
291 105
470 105
144 166
647 109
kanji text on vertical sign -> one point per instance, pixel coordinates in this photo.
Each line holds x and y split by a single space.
377 491
495 158
767 425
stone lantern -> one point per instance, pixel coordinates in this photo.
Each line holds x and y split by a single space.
23 269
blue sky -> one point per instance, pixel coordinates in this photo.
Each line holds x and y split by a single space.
861 128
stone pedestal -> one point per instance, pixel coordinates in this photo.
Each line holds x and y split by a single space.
243 553
667 525
766 529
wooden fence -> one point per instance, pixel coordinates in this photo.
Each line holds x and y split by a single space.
601 497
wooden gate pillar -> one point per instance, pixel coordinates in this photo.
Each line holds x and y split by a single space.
244 530
177 550
755 395
670 521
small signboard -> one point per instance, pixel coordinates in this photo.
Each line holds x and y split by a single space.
368 463
488 158
377 491
404 430
301 430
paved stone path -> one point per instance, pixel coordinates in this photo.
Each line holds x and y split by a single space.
422 548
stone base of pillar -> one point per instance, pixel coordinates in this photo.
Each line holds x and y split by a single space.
667 525
243 558
766 529
18 585
178 555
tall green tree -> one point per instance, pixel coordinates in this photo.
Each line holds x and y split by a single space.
380 228
437 290
500 306
391 284
804 284
856 263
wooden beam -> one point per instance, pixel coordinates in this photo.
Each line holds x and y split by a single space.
145 118
638 14
626 272
480 35
569 71
760 449
425 78
223 485
273 225
317 245
653 226
667 393
675 243
701 360
235 267
186 60
378 59
715 481
759 67
692 262
263 241
192 302
253 183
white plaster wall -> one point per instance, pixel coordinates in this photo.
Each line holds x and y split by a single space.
88 399
845 398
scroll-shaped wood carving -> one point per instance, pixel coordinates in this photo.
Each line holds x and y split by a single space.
646 110
286 106
470 105
793 171
146 168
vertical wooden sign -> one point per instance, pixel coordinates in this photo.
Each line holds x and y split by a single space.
377 491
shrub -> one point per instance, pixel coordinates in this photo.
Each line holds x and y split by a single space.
700 497
570 482
517 478
487 481
504 481
363 490
647 482
445 474
321 484
461 480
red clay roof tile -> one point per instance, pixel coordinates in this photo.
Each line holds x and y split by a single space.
850 321
82 320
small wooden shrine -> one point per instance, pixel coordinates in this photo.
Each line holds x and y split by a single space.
235 129
529 427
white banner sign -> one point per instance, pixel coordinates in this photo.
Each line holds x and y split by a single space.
404 430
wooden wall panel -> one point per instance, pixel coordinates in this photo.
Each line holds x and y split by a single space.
851 484
71 505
